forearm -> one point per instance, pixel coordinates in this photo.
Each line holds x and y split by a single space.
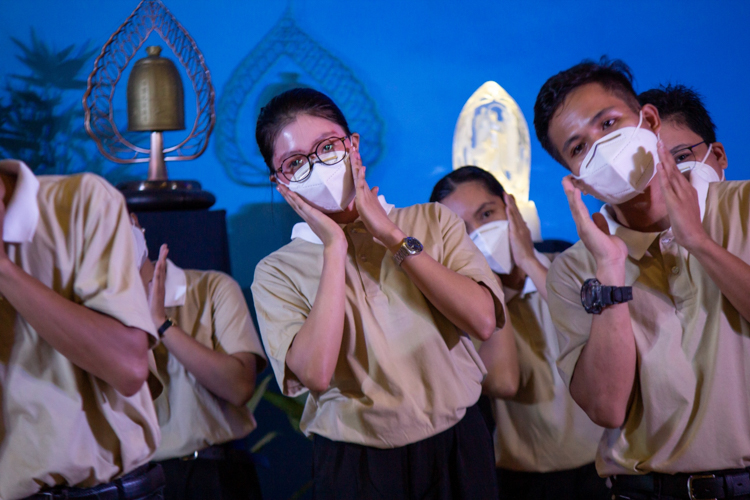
228 376
730 273
314 352
467 304
500 356
604 376
90 340
538 274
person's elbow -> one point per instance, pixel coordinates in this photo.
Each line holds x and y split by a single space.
243 390
605 410
131 369
611 417
502 386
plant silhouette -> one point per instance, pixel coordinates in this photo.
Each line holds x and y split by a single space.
41 117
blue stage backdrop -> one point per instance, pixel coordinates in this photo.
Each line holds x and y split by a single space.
401 71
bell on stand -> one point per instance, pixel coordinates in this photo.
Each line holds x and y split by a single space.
156 104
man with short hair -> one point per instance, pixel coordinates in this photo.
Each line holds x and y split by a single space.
77 418
652 305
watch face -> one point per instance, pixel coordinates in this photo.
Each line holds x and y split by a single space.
591 296
413 245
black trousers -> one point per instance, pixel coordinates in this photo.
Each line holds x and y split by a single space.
457 463
232 478
582 483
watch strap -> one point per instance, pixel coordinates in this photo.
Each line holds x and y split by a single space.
616 294
165 326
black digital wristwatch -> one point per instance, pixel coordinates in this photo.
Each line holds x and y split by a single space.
596 297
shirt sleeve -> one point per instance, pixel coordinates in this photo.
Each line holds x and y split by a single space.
281 312
461 255
572 321
106 278
233 328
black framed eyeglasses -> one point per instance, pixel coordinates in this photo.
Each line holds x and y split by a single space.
297 168
684 155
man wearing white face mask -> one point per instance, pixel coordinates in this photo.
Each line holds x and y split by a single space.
690 136
653 304
544 443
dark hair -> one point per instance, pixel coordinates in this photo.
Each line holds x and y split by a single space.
284 109
683 106
614 75
470 173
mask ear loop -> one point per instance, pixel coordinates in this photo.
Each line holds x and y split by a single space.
710 146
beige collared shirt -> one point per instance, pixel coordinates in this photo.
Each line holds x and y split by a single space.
541 428
61 425
690 410
209 307
405 373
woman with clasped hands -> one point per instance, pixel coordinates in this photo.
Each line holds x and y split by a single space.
370 309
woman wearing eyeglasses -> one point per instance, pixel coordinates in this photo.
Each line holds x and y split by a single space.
365 309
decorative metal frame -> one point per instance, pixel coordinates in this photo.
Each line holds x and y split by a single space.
149 16
287 38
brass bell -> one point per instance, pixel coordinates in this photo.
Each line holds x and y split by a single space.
156 99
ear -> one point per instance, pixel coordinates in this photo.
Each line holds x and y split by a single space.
272 178
717 149
651 117
354 139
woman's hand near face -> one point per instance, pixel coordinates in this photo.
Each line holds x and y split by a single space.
371 211
520 237
522 246
329 232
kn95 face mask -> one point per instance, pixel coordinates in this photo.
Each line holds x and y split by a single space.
621 164
493 240
329 187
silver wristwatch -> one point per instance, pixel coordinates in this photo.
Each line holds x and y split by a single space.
410 246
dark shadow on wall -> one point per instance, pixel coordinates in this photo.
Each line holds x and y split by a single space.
256 230
285 463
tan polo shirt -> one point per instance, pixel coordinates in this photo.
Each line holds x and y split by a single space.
405 373
214 312
61 425
690 410
540 429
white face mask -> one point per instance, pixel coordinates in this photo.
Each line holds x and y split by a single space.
701 175
329 187
493 240
700 169
141 250
620 165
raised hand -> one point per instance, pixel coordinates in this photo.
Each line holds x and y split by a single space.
521 244
682 202
329 232
371 211
608 250
156 291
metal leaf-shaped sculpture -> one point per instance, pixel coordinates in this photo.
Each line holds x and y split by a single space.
149 16
328 74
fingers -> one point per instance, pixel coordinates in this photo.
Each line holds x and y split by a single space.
298 204
577 207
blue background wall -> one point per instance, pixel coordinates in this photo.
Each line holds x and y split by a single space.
419 62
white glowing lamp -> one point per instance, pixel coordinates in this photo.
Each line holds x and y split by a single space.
491 133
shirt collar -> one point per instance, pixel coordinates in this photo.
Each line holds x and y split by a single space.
175 286
22 212
302 230
636 241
